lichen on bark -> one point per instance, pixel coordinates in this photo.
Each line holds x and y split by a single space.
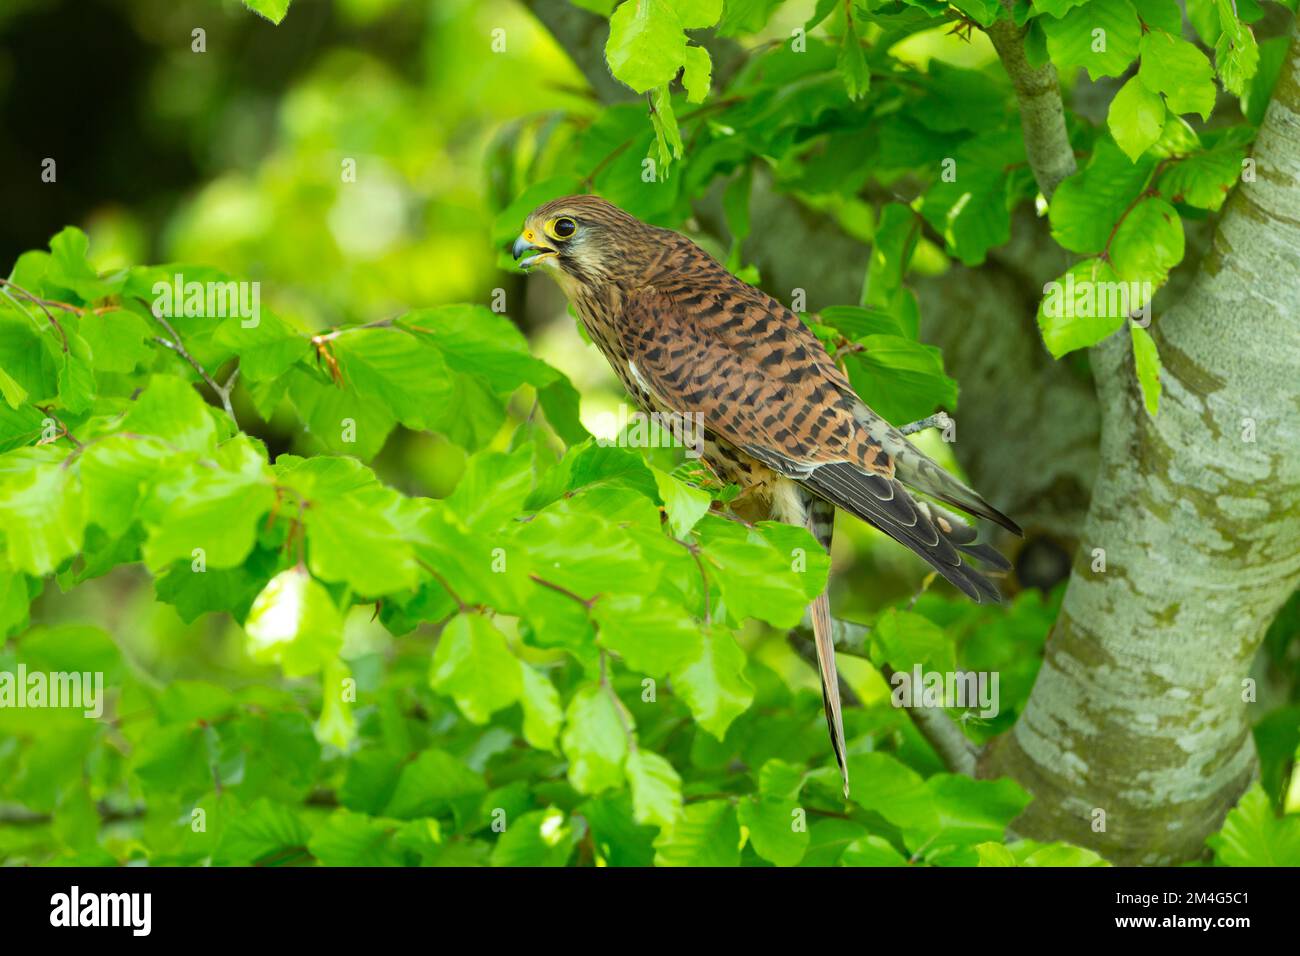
1140 710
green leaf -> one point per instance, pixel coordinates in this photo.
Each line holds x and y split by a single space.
42 516
116 471
970 811
473 664
1136 118
746 16
652 634
1254 835
685 504
492 489
994 854
897 232
907 639
540 838
828 840
1204 178
872 851
969 204
895 791
1086 206
273 10
594 740
1031 853
261 833
983 12
353 839
229 590
542 712
1235 53
775 829
656 789
698 74
170 409
436 783
69 269
1255 99
1082 307
581 553
357 530
118 339
698 14
1161 14
616 836
852 62
778 778
294 623
1147 361
664 120
1172 66
214 506
13 393
900 378
1102 36
708 834
646 45
714 684
339 419
397 369
1148 243
771 572
337 726
854 322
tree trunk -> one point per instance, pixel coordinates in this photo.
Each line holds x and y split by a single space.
1136 739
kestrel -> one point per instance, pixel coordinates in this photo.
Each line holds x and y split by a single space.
780 418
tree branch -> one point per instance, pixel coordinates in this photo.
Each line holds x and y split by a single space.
1042 115
178 346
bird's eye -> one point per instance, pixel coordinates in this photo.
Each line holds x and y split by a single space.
563 228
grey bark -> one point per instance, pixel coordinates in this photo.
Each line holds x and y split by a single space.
1042 115
1139 720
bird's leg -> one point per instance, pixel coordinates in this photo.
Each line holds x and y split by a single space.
937 420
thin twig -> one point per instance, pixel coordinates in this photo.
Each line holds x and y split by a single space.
618 704
40 304
588 603
178 346
694 550
942 733
63 429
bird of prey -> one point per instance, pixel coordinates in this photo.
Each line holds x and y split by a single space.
780 419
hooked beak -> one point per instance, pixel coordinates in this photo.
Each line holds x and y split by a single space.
525 244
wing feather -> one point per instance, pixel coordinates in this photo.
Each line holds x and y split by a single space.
687 367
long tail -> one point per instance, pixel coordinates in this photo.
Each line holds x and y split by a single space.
820 521
820 611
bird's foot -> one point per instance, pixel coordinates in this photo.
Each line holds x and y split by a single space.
937 420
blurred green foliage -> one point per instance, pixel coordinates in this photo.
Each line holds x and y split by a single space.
350 678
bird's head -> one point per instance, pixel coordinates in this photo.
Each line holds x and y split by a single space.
583 239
